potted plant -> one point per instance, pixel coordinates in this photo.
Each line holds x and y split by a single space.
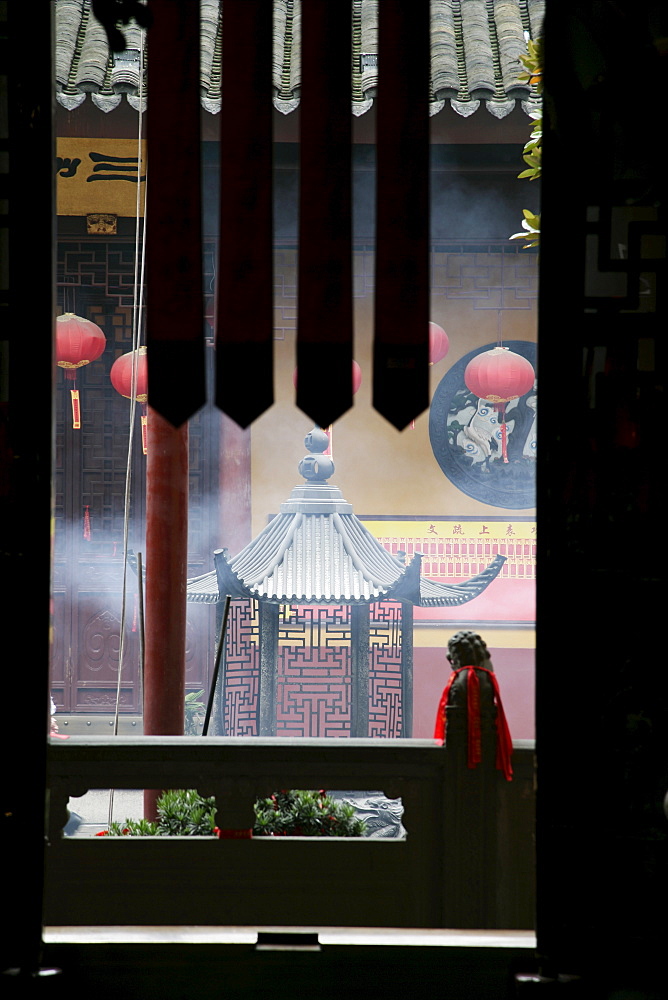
288 813
298 813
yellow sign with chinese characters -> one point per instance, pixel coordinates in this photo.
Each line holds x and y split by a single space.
99 176
452 529
458 549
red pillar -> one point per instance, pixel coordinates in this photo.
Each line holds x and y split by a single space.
166 574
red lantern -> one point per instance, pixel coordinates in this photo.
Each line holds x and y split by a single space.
439 344
499 376
78 342
210 313
357 377
121 379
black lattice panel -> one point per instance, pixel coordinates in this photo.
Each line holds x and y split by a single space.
242 669
385 669
313 684
105 268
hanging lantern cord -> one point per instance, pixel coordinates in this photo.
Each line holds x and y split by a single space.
137 308
499 337
501 407
501 410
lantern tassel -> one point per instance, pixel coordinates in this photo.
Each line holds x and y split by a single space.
86 524
501 410
76 410
144 419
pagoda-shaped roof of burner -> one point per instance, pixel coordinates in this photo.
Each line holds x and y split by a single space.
316 551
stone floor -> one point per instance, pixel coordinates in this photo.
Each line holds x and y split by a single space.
93 810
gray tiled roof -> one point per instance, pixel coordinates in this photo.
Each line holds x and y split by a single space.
203 589
316 558
475 48
426 593
316 551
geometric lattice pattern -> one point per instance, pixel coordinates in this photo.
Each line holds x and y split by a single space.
313 682
385 681
242 669
106 268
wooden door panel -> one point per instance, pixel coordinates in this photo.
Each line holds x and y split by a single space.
96 657
200 627
60 650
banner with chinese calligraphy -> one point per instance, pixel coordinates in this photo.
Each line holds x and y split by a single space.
99 175
455 549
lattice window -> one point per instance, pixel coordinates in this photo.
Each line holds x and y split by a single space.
242 669
313 683
385 674
314 680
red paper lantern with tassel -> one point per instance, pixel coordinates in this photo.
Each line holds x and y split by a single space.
121 379
78 342
499 376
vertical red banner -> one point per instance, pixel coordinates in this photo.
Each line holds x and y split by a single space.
166 574
401 336
244 295
175 323
325 311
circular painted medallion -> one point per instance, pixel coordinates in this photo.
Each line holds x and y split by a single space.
465 436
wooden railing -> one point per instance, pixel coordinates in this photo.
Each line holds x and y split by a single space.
424 880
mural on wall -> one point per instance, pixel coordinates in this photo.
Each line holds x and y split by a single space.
466 437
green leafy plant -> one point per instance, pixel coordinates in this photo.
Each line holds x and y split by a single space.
181 813
184 813
131 828
532 152
192 724
531 227
300 813
296 813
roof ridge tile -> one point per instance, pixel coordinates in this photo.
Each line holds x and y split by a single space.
475 46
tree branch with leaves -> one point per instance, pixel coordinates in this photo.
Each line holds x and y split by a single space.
532 152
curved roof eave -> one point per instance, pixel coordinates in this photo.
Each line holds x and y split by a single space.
409 587
321 558
475 49
435 594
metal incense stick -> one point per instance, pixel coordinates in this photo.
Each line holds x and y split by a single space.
216 668
140 598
